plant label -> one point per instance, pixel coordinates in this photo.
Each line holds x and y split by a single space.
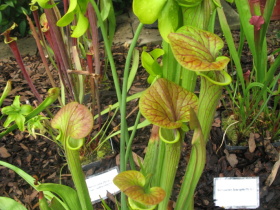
236 192
99 184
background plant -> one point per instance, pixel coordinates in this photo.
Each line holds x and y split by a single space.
13 11
255 94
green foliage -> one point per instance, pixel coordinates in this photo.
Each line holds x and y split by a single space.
16 112
8 203
36 123
6 91
13 11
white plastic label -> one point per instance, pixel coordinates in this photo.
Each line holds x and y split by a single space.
99 184
237 192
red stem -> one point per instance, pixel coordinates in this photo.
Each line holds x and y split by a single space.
92 85
37 22
15 50
95 43
60 51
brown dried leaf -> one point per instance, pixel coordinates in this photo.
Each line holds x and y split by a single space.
28 159
52 176
118 160
217 122
15 90
252 143
112 198
137 158
4 152
24 147
231 158
274 171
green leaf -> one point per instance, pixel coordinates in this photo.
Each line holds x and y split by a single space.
10 3
167 104
6 90
8 204
16 102
3 6
150 63
25 109
69 15
16 113
148 11
81 27
20 120
1 20
43 203
105 9
42 3
77 8
195 125
139 206
30 180
132 183
67 194
9 120
168 20
104 204
189 3
22 27
35 124
56 205
73 120
197 50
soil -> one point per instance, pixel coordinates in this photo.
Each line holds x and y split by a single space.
42 158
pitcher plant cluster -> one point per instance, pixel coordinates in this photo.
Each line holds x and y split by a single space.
190 55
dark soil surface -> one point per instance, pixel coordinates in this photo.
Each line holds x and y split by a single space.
42 158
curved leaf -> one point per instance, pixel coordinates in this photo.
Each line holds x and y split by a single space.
217 77
9 203
82 25
132 183
189 3
6 91
43 3
105 6
148 11
30 180
139 206
169 136
166 104
6 34
197 50
73 120
67 194
75 144
69 15
168 20
150 63
127 179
